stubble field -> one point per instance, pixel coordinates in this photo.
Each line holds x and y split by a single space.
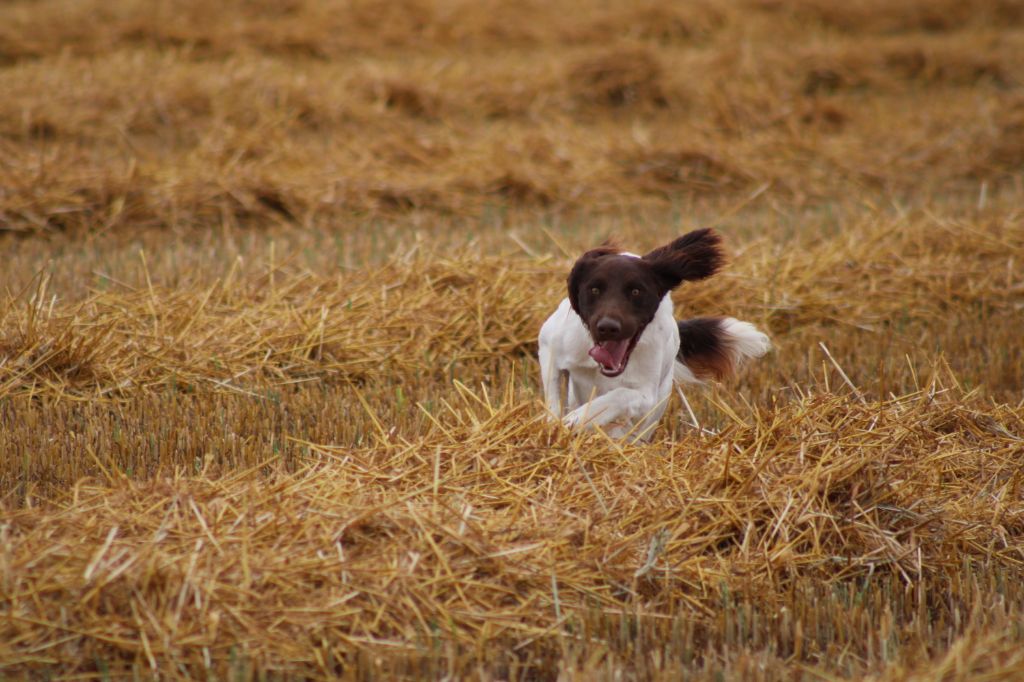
272 278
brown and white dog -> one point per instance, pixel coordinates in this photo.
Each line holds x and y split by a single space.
616 338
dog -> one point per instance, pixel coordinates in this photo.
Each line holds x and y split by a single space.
616 341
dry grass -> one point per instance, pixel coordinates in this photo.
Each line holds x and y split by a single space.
134 114
494 539
273 274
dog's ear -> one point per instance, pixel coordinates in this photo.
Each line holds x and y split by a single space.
696 255
582 267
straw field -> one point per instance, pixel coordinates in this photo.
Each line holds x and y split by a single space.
272 278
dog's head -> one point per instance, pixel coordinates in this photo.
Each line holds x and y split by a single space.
616 295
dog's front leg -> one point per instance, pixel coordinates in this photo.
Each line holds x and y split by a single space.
553 379
617 412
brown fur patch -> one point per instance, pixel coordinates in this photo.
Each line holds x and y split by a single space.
582 265
694 256
703 348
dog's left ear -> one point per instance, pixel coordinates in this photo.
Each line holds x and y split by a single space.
694 256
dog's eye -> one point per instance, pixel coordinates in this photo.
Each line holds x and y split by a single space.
635 293
595 291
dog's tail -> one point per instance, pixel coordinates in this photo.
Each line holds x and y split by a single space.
715 347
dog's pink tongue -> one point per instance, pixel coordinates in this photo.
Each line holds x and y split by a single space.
610 354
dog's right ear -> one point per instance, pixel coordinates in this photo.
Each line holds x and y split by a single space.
582 267
696 255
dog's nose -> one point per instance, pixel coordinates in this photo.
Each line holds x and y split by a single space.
607 326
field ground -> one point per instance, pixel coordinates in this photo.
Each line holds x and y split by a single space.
272 278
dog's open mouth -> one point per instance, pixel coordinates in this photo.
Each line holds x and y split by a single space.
613 356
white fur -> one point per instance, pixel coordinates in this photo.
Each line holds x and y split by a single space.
744 340
632 403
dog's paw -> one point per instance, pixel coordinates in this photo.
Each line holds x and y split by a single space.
616 428
573 419
582 416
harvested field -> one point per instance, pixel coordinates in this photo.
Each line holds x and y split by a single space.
272 279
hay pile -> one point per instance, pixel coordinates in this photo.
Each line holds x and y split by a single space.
275 328
496 542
